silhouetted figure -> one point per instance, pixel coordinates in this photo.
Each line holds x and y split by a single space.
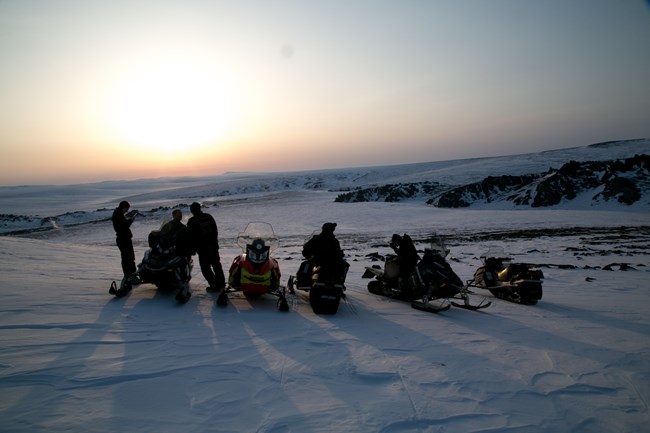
204 237
407 255
324 251
171 229
123 237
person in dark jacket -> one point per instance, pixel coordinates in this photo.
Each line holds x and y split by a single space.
407 255
324 250
324 247
123 237
171 229
204 236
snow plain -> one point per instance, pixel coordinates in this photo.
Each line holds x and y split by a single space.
73 358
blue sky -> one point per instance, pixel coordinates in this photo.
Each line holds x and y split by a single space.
95 90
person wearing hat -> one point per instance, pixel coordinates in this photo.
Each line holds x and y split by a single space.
407 256
204 236
123 237
324 249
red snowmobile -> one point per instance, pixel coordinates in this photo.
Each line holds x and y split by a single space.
254 272
515 282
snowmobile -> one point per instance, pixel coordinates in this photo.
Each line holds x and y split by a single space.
429 283
166 264
515 282
325 285
255 272
324 282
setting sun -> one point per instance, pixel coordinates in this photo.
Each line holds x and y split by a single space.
121 90
169 107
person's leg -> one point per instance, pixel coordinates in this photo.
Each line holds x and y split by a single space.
205 263
219 276
128 256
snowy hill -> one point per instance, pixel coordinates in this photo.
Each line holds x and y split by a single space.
621 180
497 182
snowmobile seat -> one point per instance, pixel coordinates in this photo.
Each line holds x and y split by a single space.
391 268
518 270
304 275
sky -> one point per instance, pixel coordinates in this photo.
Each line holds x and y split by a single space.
127 89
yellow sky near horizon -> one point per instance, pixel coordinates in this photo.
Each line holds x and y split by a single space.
130 89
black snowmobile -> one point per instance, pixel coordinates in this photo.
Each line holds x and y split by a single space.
166 264
325 283
428 283
515 282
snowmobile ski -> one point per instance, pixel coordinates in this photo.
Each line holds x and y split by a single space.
183 296
429 307
472 307
125 288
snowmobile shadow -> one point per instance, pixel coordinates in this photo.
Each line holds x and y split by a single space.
251 351
422 357
147 291
317 371
594 317
241 303
158 359
63 370
359 361
157 293
522 334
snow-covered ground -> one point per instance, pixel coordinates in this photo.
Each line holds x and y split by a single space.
73 358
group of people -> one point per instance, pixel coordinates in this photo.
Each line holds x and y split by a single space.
201 234
202 237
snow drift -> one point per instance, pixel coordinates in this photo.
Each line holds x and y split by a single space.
74 358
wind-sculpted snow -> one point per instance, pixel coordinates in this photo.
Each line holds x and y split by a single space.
74 358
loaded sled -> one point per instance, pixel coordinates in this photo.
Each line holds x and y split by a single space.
520 283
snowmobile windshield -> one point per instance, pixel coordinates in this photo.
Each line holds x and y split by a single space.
496 252
258 231
438 246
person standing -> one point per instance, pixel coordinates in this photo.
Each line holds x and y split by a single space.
204 236
123 237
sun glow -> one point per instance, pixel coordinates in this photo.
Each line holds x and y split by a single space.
172 107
